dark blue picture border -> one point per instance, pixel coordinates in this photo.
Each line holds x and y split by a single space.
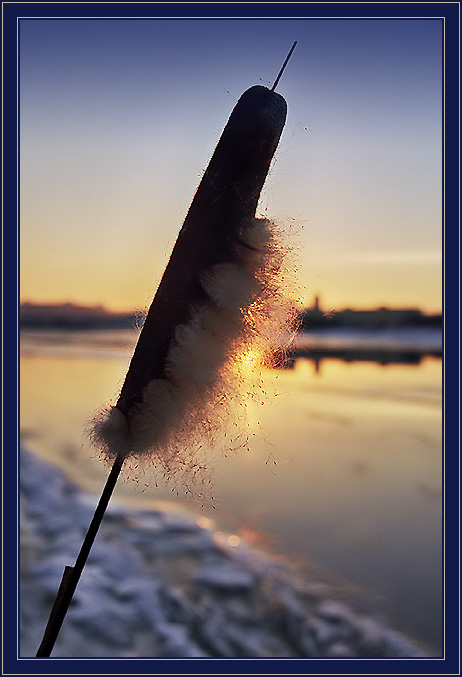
449 664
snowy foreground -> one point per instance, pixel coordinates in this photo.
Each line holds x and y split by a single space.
157 584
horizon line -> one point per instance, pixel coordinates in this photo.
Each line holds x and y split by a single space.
102 308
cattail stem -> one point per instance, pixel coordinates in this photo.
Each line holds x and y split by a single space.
72 575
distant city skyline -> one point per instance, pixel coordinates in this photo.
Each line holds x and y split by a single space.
31 309
113 145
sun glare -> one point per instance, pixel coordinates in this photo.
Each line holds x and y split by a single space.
249 358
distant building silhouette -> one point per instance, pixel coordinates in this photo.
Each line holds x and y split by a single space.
381 317
71 316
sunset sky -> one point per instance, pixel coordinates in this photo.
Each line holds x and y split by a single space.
119 118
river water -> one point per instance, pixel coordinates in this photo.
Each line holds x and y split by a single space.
343 471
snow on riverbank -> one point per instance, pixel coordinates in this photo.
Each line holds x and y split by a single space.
158 584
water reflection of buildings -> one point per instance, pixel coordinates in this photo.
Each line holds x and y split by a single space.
385 336
383 357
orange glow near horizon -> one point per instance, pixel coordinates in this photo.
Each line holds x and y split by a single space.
125 279
107 173
329 310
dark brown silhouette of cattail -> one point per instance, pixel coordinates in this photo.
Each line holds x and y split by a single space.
222 294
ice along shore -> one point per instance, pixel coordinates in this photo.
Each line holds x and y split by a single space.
159 584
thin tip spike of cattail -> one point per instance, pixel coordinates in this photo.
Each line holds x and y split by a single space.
204 318
283 66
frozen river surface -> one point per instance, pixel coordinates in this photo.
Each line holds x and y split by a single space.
160 584
344 472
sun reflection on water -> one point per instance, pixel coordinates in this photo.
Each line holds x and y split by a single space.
357 485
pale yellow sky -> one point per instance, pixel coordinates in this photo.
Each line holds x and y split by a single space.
113 148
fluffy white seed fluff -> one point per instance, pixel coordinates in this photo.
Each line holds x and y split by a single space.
231 286
251 307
